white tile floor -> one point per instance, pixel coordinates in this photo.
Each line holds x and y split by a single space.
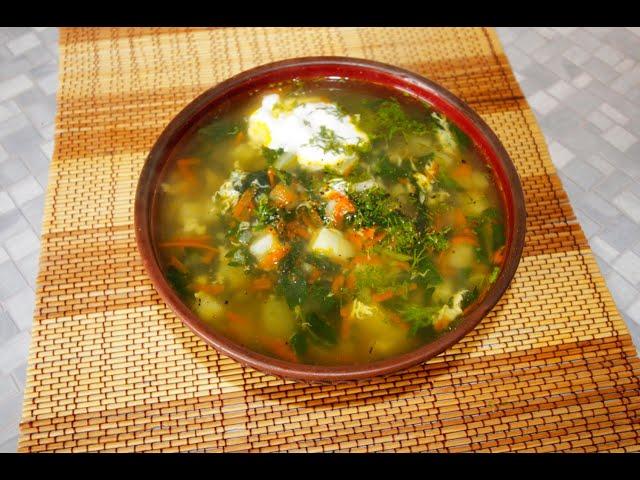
581 82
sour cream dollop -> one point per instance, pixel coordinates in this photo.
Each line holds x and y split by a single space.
317 134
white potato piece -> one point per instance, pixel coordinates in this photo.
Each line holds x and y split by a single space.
263 245
473 203
331 243
207 306
277 319
461 256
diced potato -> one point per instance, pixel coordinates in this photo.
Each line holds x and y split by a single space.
331 243
371 321
443 292
479 180
473 203
195 217
246 157
213 180
461 256
233 278
263 245
277 318
208 307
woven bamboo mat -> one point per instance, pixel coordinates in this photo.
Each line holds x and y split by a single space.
111 368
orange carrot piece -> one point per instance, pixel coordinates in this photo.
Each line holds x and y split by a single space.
383 296
397 319
498 257
239 138
242 209
459 220
354 238
208 257
460 239
461 171
342 207
345 326
236 318
283 196
174 262
402 265
281 349
296 229
210 288
271 260
350 282
368 260
271 174
184 167
315 274
188 243
337 283
261 283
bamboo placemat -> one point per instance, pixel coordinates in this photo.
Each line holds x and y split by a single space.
111 368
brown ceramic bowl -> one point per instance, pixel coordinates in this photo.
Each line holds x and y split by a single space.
505 174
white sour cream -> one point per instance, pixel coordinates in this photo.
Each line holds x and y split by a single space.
302 132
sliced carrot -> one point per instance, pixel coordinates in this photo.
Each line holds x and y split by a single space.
402 265
281 349
379 237
208 257
261 284
498 257
184 167
239 138
242 209
461 171
412 286
466 239
337 283
383 296
174 262
397 319
296 229
350 282
367 260
283 196
315 274
210 288
342 206
195 238
354 238
271 174
270 261
236 318
188 243
459 220
345 326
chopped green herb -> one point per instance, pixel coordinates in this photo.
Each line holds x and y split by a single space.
270 155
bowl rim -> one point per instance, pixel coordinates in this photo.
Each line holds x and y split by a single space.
375 72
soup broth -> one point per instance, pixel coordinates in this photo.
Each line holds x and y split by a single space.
329 222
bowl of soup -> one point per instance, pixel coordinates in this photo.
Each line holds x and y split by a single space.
328 219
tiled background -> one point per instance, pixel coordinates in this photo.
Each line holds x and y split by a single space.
581 82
